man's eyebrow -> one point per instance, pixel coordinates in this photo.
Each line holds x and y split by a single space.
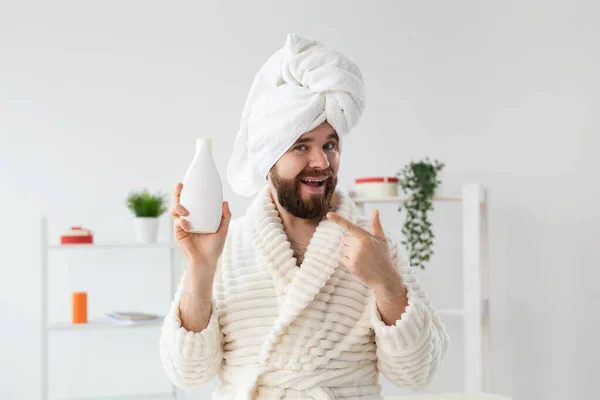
332 135
304 140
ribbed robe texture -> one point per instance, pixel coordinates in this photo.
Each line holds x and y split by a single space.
279 331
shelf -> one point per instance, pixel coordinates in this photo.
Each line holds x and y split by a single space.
400 199
109 246
100 324
158 396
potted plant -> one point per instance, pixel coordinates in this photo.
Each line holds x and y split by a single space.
147 208
419 180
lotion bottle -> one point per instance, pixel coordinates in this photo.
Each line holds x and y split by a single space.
202 192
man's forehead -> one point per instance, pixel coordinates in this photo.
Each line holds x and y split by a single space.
325 134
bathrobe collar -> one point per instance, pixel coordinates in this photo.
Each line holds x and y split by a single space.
297 286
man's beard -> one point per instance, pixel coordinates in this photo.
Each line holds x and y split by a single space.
290 198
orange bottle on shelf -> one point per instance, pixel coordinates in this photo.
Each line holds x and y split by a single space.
80 307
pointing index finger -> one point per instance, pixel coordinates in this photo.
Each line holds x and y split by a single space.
354 229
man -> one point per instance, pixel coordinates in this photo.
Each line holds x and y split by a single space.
300 297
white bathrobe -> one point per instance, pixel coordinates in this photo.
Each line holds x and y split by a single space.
279 331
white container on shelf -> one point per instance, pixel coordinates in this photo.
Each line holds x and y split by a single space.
376 187
145 229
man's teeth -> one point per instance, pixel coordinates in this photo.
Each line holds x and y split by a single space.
314 180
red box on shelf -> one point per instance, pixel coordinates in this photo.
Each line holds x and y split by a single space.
77 235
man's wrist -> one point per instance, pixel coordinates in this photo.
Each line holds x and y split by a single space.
199 280
391 288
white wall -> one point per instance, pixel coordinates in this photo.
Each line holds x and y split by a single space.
99 98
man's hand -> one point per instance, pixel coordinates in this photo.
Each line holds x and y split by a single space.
201 250
367 255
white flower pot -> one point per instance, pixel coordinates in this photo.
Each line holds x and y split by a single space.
145 229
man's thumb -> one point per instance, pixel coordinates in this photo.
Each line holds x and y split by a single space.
225 218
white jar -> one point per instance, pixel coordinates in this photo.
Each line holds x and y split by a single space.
376 187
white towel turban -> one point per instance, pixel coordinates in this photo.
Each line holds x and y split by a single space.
299 87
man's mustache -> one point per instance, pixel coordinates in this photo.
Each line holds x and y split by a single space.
328 172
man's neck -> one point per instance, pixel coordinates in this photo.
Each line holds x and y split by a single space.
298 230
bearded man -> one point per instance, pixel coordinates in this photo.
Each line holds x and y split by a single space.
300 298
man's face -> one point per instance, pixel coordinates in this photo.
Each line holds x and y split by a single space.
305 177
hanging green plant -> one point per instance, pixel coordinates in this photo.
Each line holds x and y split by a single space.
419 180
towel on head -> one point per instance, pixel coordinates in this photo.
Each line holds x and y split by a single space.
298 88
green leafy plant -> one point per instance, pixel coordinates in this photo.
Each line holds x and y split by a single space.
144 204
419 180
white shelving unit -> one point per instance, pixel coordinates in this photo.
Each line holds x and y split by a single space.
475 310
46 249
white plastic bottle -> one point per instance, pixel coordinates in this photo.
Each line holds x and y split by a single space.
202 193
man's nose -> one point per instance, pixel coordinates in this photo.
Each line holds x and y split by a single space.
319 160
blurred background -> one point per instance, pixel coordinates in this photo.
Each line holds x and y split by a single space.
99 99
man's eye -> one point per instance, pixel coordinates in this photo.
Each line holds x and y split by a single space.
329 146
300 147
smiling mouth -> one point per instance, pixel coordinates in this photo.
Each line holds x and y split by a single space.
314 182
